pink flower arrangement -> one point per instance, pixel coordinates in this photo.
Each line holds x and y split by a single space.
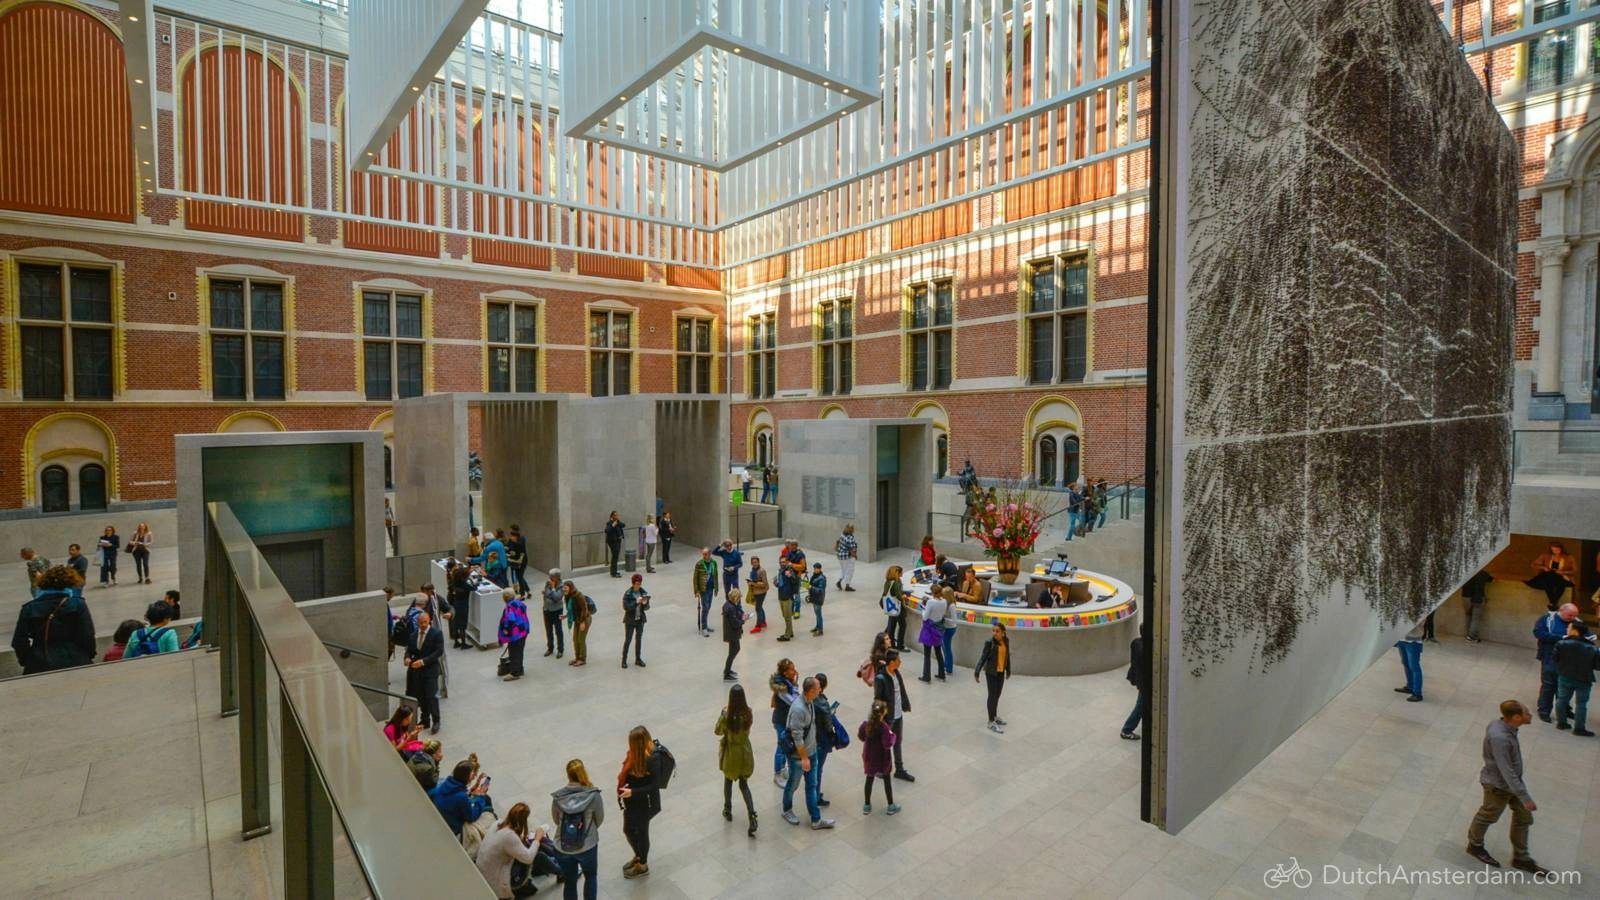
1008 528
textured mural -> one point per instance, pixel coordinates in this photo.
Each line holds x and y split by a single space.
1341 350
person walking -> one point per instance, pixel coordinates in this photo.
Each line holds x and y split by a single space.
877 742
756 587
516 556
769 483
554 604
845 548
823 710
640 798
580 612
652 537
615 529
36 565
78 561
110 545
744 484
704 581
577 811
733 618
893 605
800 746
1139 677
1102 502
635 607
139 548
815 594
1548 631
735 757
667 529
513 632
424 650
931 635
55 629
1502 783
889 687
1576 660
788 586
1475 593
995 664
785 688
1410 648
390 529
731 559
1074 509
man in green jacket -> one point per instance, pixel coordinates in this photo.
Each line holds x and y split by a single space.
705 587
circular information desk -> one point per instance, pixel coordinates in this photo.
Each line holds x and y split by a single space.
1087 637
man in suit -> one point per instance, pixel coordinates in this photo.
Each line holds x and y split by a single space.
423 653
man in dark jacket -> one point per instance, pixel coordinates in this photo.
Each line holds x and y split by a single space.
889 687
458 803
424 649
78 561
614 531
1576 660
635 603
732 632
1549 630
55 629
1139 677
1474 593
554 604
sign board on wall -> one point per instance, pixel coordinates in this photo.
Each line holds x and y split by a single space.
828 496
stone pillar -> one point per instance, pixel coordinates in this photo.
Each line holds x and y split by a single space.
1552 260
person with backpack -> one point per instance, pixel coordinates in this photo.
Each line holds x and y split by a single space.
784 684
640 799
1139 677
461 797
704 582
578 810
424 764
733 617
995 664
816 592
54 629
635 606
555 638
513 631
827 733
157 637
800 747
893 605
877 743
735 757
756 587
509 844
580 612
873 664
889 687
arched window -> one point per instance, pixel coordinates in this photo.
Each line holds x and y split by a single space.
388 467
92 487
764 448
941 455
1069 468
1047 460
53 493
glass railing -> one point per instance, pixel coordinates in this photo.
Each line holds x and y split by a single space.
1565 450
338 772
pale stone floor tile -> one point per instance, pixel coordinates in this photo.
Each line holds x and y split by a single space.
186 876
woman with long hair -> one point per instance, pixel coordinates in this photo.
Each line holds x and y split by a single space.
139 546
892 589
995 664
577 811
735 757
458 593
877 740
401 730
640 799
507 845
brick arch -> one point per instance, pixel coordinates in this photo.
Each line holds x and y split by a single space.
72 440
250 420
66 79
242 168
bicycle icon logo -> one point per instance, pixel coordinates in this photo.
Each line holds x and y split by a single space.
1290 872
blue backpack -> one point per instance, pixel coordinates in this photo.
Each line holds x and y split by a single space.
145 642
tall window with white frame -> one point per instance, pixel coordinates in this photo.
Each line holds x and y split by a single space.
392 348
693 354
247 339
1058 319
513 337
931 335
610 353
834 349
66 329
761 350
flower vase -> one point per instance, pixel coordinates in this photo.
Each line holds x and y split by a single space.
1008 567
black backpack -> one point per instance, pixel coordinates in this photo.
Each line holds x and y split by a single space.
662 764
573 831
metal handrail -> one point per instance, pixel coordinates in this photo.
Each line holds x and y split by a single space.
334 761
344 652
372 690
